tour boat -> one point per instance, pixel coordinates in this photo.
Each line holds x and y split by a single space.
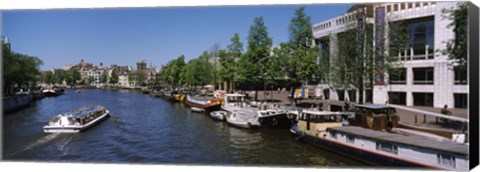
219 115
77 120
375 144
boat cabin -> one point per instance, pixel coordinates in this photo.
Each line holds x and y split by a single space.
314 123
376 117
399 150
235 100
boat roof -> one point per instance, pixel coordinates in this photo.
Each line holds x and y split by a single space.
446 146
83 111
232 95
373 106
316 112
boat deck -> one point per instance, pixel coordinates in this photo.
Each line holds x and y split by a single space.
405 140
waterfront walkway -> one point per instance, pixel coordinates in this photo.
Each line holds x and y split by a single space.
406 117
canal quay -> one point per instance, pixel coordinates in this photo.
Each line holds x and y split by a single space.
147 130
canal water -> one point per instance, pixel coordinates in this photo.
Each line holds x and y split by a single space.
147 130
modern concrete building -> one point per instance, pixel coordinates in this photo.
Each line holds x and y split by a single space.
425 77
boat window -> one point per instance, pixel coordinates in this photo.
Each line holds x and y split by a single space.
333 134
234 99
350 139
446 160
387 147
322 118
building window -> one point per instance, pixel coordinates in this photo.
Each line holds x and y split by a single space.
446 160
410 5
341 94
389 8
395 7
421 38
397 98
423 99
352 94
398 76
460 77
403 6
423 75
417 4
350 138
461 100
387 147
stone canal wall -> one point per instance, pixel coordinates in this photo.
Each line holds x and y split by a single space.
17 102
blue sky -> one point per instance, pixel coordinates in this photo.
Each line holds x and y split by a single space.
124 36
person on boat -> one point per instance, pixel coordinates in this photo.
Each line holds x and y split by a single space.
445 111
347 105
51 121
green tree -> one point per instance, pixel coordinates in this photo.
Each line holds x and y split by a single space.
89 80
457 48
140 77
20 70
252 66
171 73
114 78
226 70
235 50
59 76
301 60
103 78
198 71
72 76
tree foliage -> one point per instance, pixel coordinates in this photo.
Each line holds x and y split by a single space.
103 78
21 70
252 65
171 73
72 76
197 71
140 77
457 48
114 78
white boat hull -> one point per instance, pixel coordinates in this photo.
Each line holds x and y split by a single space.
75 129
219 115
195 109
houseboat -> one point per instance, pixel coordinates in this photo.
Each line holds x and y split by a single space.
210 103
77 120
370 140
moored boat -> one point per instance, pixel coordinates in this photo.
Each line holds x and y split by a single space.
77 120
273 116
373 142
243 119
210 103
219 115
196 109
53 91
